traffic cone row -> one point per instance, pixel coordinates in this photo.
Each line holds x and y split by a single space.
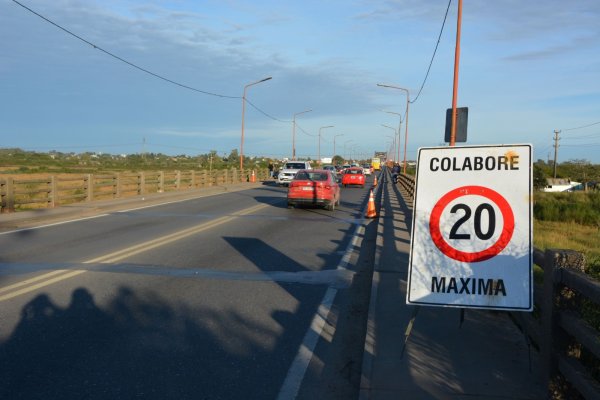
371 211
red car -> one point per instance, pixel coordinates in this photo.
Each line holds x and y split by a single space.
353 176
314 187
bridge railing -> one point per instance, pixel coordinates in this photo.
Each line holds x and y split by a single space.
565 323
23 192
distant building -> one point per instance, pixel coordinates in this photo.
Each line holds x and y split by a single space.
562 185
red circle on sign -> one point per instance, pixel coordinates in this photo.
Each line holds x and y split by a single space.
507 229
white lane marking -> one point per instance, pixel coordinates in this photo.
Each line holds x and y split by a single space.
127 252
104 215
295 376
54 224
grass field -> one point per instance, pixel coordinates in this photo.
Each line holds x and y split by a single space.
573 236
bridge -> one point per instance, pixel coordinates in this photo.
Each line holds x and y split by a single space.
224 292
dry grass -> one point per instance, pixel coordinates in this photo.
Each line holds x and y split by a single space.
569 235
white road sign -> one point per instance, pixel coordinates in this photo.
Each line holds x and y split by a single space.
471 243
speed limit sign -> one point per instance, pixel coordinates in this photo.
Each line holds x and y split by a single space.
471 242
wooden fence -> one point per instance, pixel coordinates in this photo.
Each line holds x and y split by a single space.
569 345
24 192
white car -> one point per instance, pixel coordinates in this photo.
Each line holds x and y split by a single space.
367 169
288 171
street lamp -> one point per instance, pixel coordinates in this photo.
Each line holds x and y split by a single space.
341 134
394 142
243 112
294 134
399 129
392 149
346 153
405 119
319 154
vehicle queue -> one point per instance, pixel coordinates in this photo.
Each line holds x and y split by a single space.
322 187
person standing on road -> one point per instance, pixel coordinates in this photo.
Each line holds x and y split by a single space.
395 172
270 170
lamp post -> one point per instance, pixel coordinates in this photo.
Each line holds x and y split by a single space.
399 129
394 142
405 119
392 149
355 151
345 152
341 134
243 112
319 153
294 134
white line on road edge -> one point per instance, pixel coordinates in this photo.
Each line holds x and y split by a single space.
104 215
295 375
54 224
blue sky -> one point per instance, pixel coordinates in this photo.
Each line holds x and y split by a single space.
527 68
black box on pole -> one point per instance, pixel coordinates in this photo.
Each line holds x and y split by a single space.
462 116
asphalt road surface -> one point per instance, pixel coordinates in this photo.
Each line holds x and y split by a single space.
232 296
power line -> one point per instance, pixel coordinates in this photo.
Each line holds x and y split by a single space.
264 113
122 59
581 127
303 131
434 52
594 135
143 69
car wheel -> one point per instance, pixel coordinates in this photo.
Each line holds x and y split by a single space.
331 206
290 205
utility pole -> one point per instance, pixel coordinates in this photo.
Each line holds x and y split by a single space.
556 139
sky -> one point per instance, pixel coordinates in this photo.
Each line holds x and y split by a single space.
527 68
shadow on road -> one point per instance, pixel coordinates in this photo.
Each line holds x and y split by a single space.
140 346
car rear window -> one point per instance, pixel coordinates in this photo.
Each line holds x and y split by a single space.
295 166
311 176
354 171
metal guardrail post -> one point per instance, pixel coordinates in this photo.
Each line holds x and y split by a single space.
548 318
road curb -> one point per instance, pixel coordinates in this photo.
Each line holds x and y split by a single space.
369 347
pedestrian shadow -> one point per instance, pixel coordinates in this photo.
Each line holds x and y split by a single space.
140 345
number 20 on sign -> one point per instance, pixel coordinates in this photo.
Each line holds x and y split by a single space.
471 242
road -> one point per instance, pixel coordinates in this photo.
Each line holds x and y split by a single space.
220 297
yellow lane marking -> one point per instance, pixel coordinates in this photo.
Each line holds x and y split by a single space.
50 277
31 280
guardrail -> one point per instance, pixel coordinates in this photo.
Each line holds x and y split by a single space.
408 183
569 345
20 192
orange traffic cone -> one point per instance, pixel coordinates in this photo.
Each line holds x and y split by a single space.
371 211
253 177
375 181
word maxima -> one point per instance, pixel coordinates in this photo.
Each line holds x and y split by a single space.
476 286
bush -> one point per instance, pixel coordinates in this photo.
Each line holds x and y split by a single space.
581 208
